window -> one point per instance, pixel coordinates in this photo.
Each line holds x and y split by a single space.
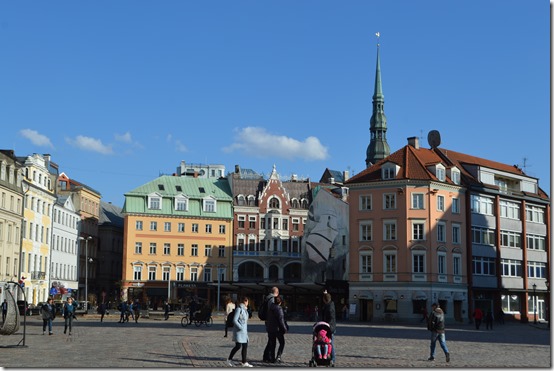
295 224
440 203
484 266
483 236
441 232
390 261
510 303
389 201
457 265
536 269
208 250
441 173
222 229
481 205
418 262
455 205
180 273
167 226
194 228
417 201
138 248
167 249
365 202
510 239
181 204
241 219
456 233
388 173
154 202
221 251
152 273
180 249
535 242
208 228
389 233
455 176
137 272
534 214
207 274
252 223
166 273
138 225
365 231
366 260
274 203
181 227
194 274
511 268
442 263
209 205
418 231
152 248
509 210
153 226
194 250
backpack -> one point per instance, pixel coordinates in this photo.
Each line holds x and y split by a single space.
262 312
230 317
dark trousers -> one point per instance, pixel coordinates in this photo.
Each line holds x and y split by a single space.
281 338
68 323
477 323
269 351
243 353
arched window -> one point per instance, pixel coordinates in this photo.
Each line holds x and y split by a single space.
250 271
274 203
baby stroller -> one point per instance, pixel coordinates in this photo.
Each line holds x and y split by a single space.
316 361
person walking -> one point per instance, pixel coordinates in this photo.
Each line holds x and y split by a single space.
166 310
229 307
283 327
478 316
4 310
122 309
435 324
136 310
270 345
68 313
328 314
240 334
102 311
489 319
48 313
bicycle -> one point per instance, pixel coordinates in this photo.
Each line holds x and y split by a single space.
185 320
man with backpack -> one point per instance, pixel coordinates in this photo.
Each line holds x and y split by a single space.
263 314
435 324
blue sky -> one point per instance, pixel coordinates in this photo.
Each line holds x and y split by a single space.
119 92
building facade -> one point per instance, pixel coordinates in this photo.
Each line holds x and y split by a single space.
177 240
110 252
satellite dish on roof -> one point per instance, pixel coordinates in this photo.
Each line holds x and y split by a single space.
434 138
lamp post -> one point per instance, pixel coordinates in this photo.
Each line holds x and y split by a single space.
218 284
535 303
86 269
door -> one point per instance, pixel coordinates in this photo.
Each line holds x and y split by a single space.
458 311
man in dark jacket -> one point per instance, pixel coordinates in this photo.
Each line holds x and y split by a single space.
328 315
267 357
435 324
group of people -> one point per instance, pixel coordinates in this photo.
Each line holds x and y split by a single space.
128 309
276 328
48 314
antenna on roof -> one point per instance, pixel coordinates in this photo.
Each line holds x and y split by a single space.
525 165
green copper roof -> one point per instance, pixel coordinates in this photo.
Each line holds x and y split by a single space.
195 189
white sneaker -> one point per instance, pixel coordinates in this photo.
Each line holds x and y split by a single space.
246 364
230 363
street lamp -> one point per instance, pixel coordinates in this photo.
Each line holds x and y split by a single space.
218 283
535 303
86 269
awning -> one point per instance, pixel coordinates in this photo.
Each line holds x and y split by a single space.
459 296
445 295
390 295
419 295
366 295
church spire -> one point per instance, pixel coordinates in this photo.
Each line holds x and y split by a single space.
378 147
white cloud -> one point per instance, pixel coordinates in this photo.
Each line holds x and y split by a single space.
124 137
180 147
90 144
36 138
257 142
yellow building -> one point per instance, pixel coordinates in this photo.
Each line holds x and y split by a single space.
177 237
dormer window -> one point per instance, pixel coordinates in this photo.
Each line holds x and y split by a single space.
209 205
389 171
455 176
440 172
274 203
181 203
154 202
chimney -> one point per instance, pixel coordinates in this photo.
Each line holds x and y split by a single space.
346 175
414 142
